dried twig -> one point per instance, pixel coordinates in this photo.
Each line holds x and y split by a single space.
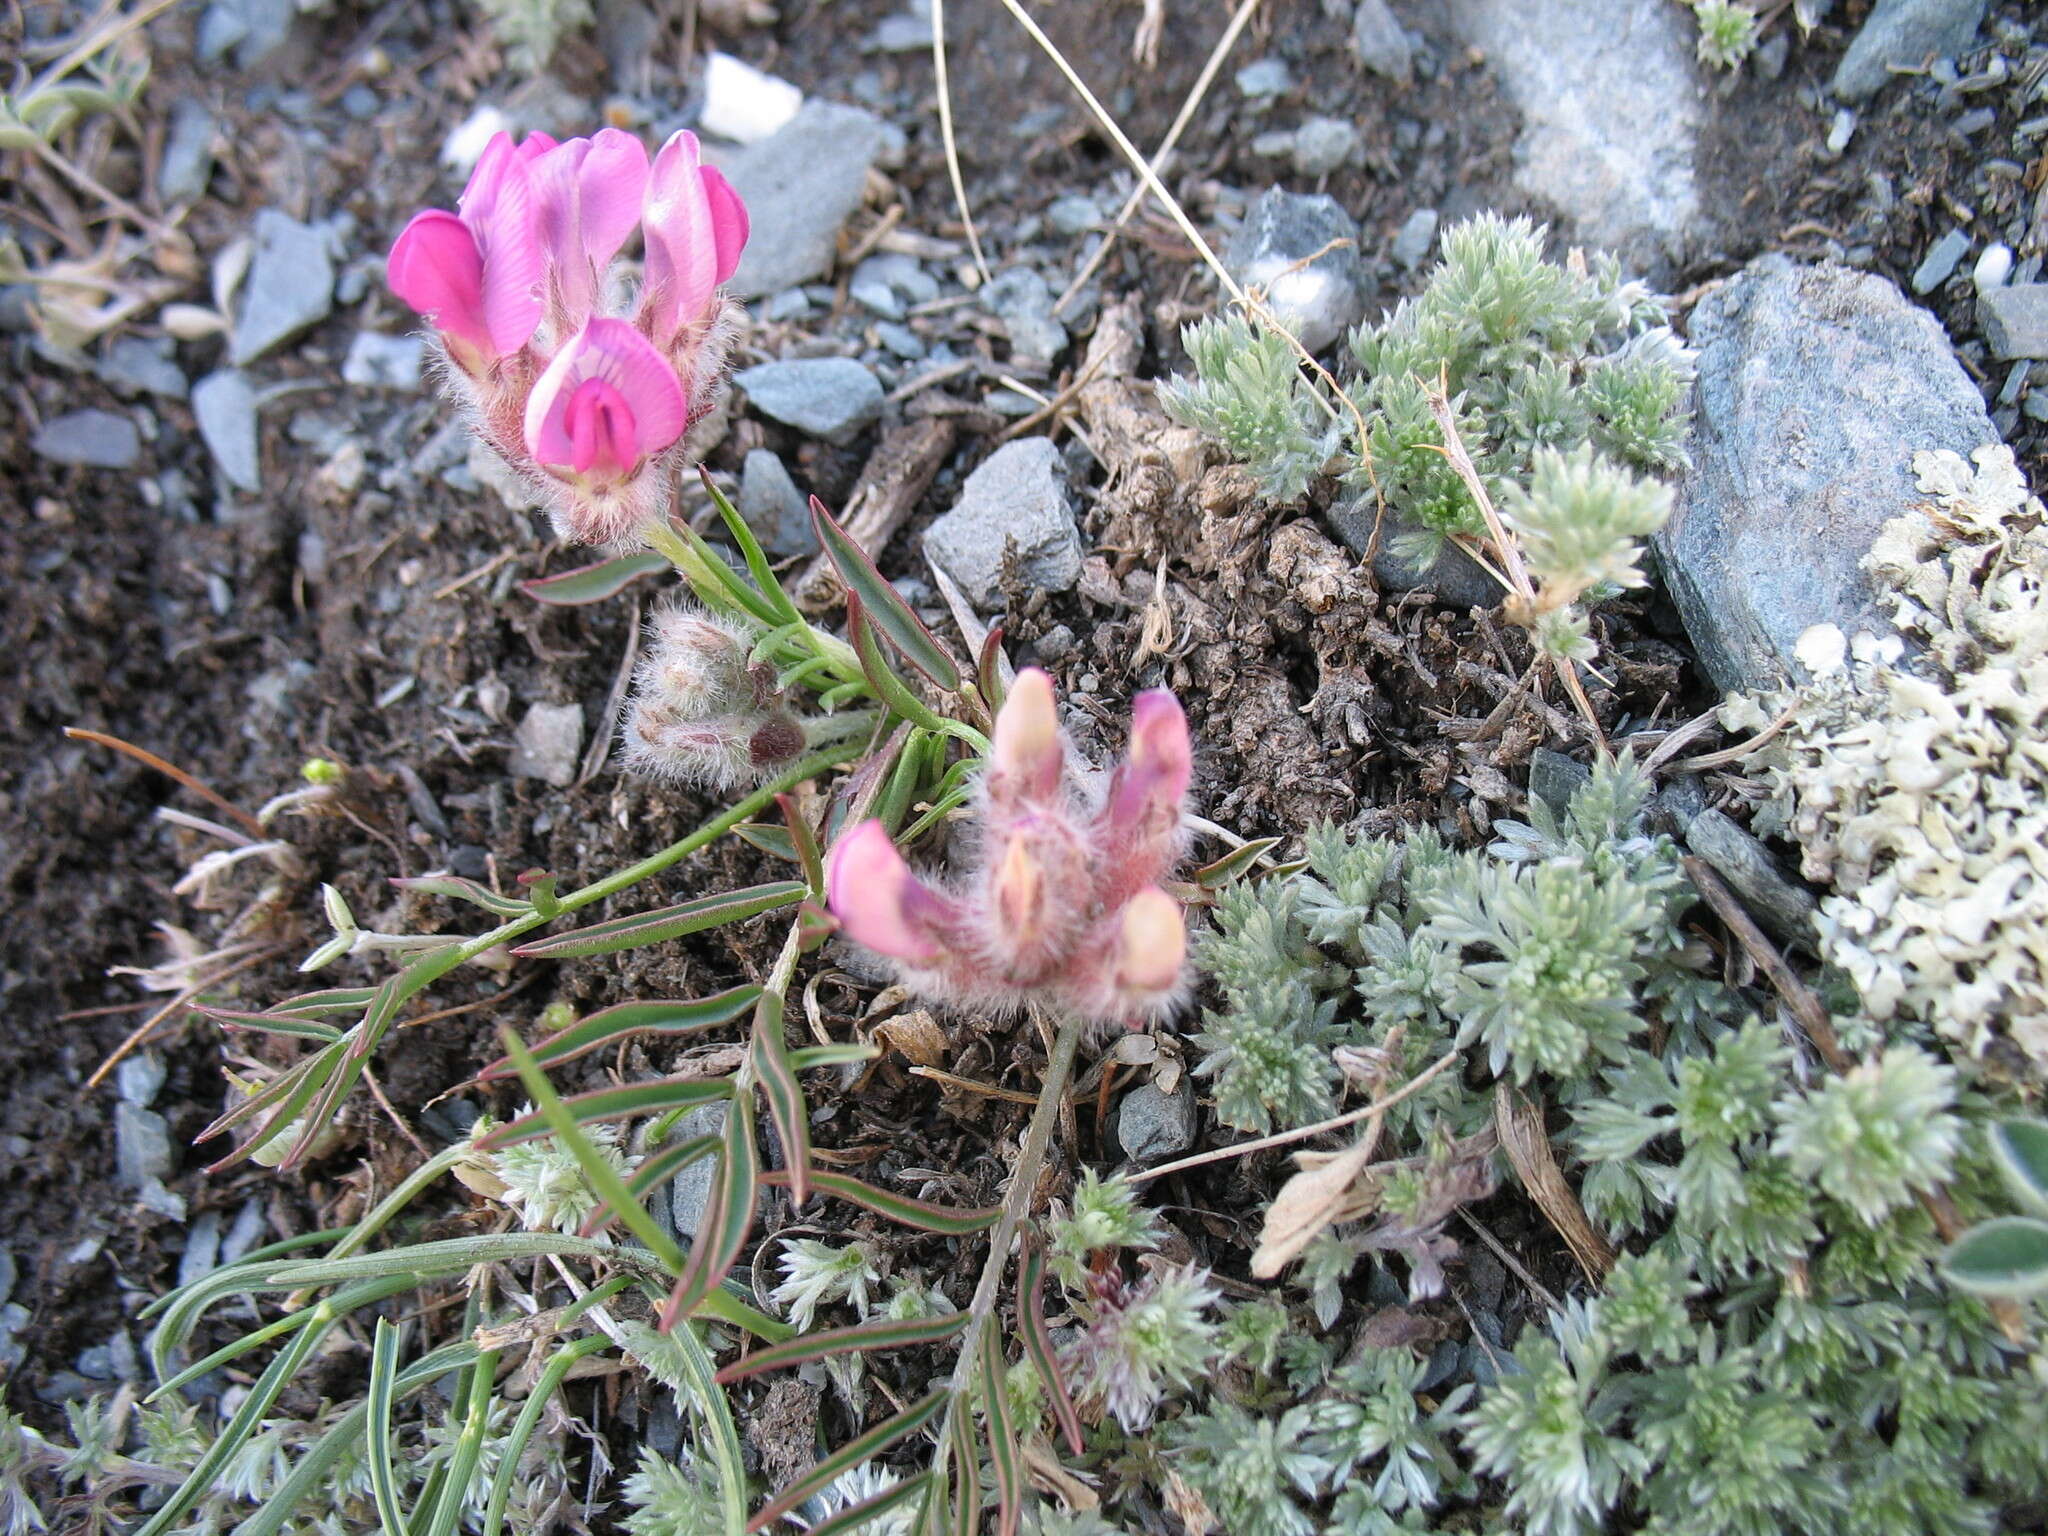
1519 1125
150 760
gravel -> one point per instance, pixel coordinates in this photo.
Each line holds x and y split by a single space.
1017 498
89 439
1904 34
803 182
828 397
1942 258
2015 320
224 404
290 286
1319 301
774 508
548 744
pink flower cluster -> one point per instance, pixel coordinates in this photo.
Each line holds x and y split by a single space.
1065 905
591 408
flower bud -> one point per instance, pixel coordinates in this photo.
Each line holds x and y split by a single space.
881 904
1028 754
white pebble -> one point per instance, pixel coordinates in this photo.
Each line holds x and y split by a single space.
743 104
1993 267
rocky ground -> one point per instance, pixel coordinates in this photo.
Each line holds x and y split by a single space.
241 532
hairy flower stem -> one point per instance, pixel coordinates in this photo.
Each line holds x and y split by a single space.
1052 1090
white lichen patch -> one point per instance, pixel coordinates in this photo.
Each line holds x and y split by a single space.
1914 770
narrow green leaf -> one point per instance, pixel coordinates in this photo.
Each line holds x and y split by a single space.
784 1093
988 672
866 585
758 565
804 839
923 1215
874 666
1037 1341
2021 1148
604 1104
383 1384
1003 1453
667 923
2007 1256
455 888
1235 864
594 583
344 1301
966 1472
728 1215
453 1255
277 1091
855 1518
707 565
327 1000
510 1454
271 1024
769 838
886 1333
806 1057
470 1437
850 1455
609 1025
678 1360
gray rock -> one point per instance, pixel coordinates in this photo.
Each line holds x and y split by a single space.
188 152
290 285
1840 132
247 1231
1780 903
548 744
143 1155
690 1190
774 508
1413 240
1609 94
803 182
377 361
1018 497
1941 260
94 439
901 340
1454 576
134 366
1380 43
1074 213
1320 301
1904 34
2015 320
1152 1126
1022 299
1324 144
202 1248
828 397
1817 385
900 33
13 1318
225 405
1993 267
1263 78
1555 778
790 304
902 275
878 297
255 29
139 1079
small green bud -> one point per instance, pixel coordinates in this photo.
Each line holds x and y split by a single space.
322 770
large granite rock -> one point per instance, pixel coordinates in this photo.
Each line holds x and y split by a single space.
1817 385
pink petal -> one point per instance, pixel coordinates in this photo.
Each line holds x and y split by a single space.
436 269
1152 943
602 433
1158 763
614 181
729 223
586 199
610 350
536 144
682 247
879 902
1028 754
497 205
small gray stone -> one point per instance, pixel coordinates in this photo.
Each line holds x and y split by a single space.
1380 43
548 744
1943 257
13 1318
139 1079
202 1248
901 340
255 29
1152 1126
1555 778
802 181
1780 903
900 34
143 1155
8 1275
1993 267
1318 301
225 406
290 285
902 275
1840 131
94 439
1413 240
1074 213
1454 576
790 304
878 297
1323 145
1904 34
1816 387
690 1190
1056 643
828 397
134 366
774 508
247 1231
377 361
2015 320
188 152
1022 299
1263 78
1017 497
1610 97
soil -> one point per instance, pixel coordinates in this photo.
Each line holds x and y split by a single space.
373 618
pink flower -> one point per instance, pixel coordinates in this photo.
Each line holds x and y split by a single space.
586 199
696 227
606 405
1065 906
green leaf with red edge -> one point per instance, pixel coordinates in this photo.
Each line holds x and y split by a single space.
1036 1338
2021 1150
874 666
988 670
1003 1453
271 1024
327 1000
665 923
806 1058
278 1101
624 1020
655 1171
728 1215
814 925
864 582
850 1455
805 841
455 888
1235 864
758 565
603 1104
784 1093
769 838
855 1518
884 1333
594 583
966 1519
949 1221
